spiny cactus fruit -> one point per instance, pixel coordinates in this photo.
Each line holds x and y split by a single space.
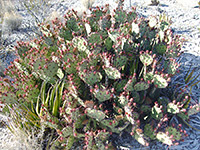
90 76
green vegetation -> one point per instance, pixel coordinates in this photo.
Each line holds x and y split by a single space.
94 75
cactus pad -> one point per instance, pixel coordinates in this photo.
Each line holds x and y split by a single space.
129 85
139 136
173 108
102 95
112 73
81 44
148 131
110 124
146 59
148 76
94 38
51 69
129 115
161 49
140 86
91 78
120 61
67 131
164 138
108 43
123 100
160 82
194 110
9 98
119 85
96 114
156 112
173 131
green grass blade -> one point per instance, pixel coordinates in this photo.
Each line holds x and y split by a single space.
56 101
47 97
51 100
191 83
189 76
42 92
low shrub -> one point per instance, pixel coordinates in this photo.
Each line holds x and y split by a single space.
91 76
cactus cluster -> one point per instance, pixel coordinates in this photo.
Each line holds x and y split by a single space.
90 76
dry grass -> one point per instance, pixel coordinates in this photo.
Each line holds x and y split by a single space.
21 139
88 3
11 20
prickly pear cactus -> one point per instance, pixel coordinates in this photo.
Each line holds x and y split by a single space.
156 112
96 114
102 94
146 59
141 86
159 81
104 73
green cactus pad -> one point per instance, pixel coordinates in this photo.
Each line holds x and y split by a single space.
81 44
94 38
113 36
148 76
102 136
120 16
129 85
67 131
97 13
96 114
160 81
120 61
66 34
148 131
38 63
33 94
91 78
171 67
102 95
164 138
173 108
108 43
173 131
112 73
129 115
51 69
156 112
194 110
140 86
123 100
69 56
9 98
119 85
139 136
110 124
72 24
136 96
131 16
160 49
146 59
